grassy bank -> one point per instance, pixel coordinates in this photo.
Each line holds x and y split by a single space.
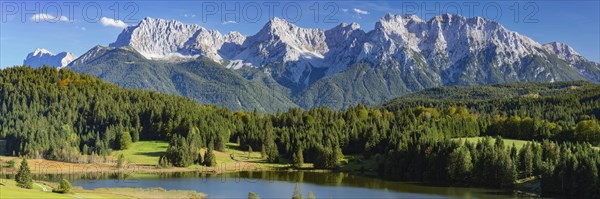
9 189
143 152
142 157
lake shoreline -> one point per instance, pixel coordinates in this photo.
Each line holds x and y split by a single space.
44 166
137 171
43 189
51 167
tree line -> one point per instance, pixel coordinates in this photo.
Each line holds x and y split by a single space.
61 115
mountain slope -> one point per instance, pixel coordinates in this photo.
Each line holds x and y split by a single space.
205 81
338 67
503 91
589 70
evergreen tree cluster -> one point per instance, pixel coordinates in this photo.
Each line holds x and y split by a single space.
60 115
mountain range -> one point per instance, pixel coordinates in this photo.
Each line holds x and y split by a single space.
284 65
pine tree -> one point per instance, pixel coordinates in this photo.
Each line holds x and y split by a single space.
525 164
209 157
249 152
298 158
120 161
125 140
23 177
263 152
460 165
164 162
272 153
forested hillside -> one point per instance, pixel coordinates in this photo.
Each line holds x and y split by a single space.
502 91
60 115
203 80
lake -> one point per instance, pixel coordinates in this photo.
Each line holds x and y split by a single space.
281 184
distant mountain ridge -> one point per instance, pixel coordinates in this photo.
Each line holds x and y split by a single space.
41 57
344 65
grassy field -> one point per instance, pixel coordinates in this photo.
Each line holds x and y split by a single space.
507 142
143 152
142 158
361 164
242 155
8 189
148 153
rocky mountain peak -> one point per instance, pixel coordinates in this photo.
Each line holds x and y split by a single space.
39 52
40 57
562 51
406 42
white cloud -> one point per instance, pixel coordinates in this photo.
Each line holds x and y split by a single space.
360 12
105 21
83 28
48 17
344 10
229 22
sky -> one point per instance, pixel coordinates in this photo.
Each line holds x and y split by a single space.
77 26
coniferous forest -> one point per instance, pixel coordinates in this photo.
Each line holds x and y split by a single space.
60 115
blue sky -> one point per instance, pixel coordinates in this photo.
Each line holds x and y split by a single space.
76 27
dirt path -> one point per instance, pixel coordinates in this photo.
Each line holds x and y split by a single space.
41 186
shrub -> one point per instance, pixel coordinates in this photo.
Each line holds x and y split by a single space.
63 187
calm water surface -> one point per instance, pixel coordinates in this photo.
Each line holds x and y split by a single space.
281 184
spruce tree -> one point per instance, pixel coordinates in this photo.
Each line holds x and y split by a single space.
298 158
272 153
263 152
209 157
460 165
125 140
23 177
525 164
249 152
120 161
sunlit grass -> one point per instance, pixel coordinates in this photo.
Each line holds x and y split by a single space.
143 152
507 142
